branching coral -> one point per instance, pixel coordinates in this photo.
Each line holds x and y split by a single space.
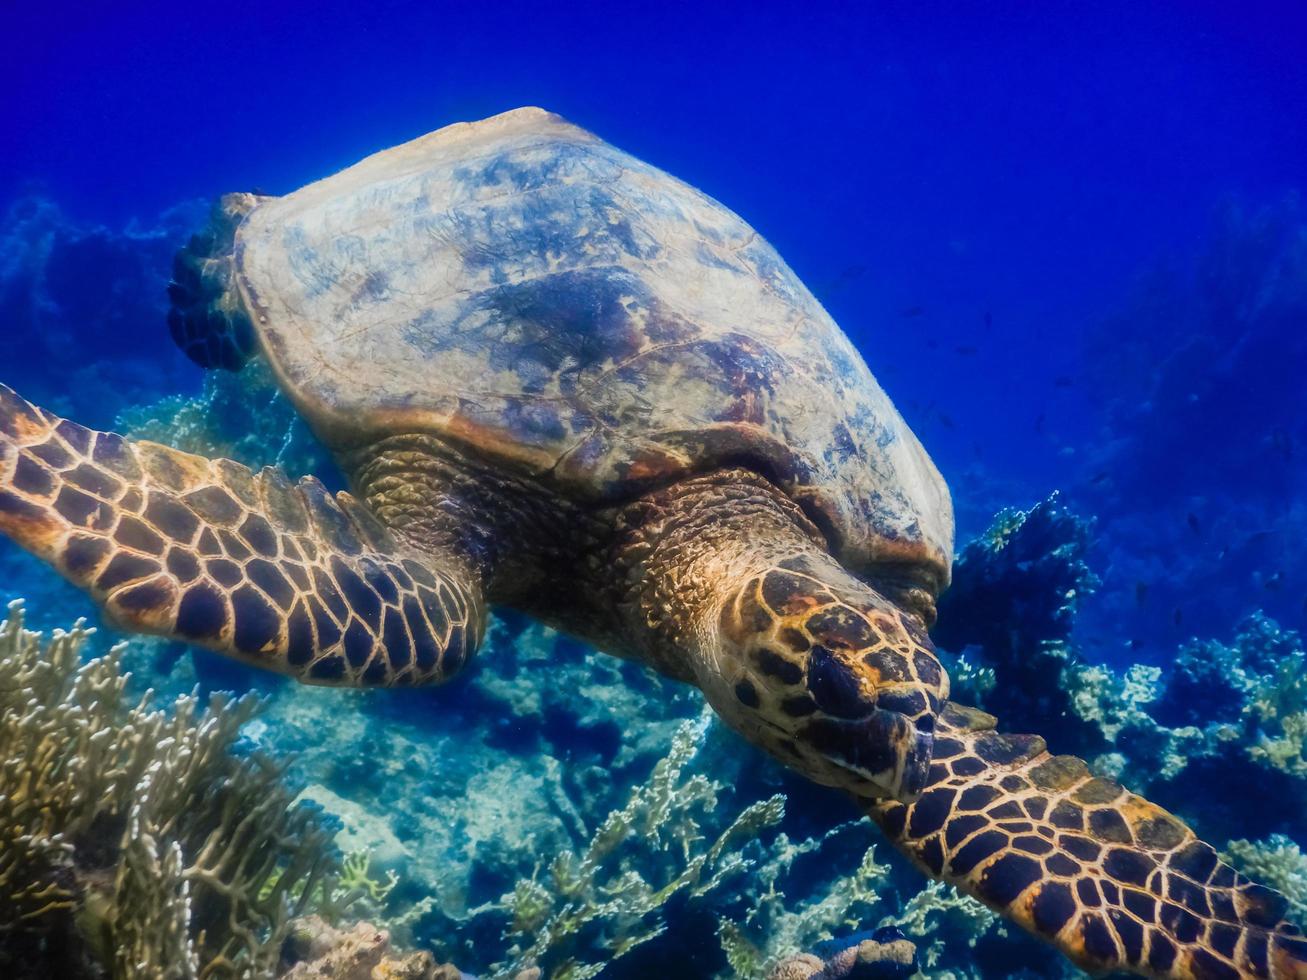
610 894
133 837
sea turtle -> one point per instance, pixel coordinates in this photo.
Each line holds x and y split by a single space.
560 380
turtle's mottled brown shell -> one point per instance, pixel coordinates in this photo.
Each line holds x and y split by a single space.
523 288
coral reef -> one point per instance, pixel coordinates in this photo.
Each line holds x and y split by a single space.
134 840
886 955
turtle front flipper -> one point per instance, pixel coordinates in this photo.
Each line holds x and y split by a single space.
208 319
1115 882
282 576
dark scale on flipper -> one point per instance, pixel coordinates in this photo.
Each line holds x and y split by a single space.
124 568
329 633
83 555
208 546
1108 825
425 650
358 644
1208 967
268 577
233 546
1098 939
32 478
378 577
1180 923
183 565
1131 934
94 480
202 613
377 673
1060 864
76 507
258 624
225 573
960 828
285 509
52 454
1067 816
1087 890
977 798
135 534
968 766
931 811
259 535
215 506
1131 867
1140 905
147 597
328 669
395 640
1223 938
1004 880
299 637
435 612
170 517
983 845
1161 952
1052 908
362 600
112 453
1197 860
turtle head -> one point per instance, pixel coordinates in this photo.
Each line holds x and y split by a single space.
834 677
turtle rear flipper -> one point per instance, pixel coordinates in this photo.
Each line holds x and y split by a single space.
283 576
1115 882
208 319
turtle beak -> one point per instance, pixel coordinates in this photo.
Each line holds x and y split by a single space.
885 749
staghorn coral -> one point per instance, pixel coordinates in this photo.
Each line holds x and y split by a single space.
639 857
134 841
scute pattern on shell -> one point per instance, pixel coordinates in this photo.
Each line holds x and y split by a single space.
525 288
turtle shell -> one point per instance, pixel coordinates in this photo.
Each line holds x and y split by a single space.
520 287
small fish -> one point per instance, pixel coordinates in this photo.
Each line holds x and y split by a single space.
945 421
1193 522
1273 583
1039 422
1178 616
1141 593
1135 644
913 311
854 272
1064 381
1098 478
966 350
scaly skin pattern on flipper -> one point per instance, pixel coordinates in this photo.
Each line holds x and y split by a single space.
282 576
1113 881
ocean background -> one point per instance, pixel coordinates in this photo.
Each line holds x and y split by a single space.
1068 239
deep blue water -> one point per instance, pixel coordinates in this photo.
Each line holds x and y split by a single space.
1068 238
